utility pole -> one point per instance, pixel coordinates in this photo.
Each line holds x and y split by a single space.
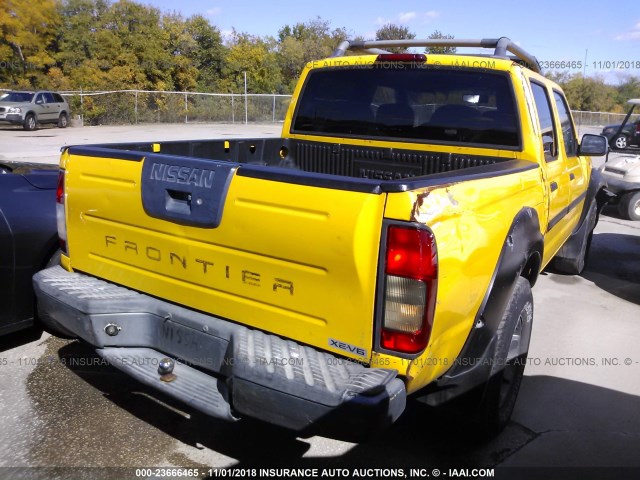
246 110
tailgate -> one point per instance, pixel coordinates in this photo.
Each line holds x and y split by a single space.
296 260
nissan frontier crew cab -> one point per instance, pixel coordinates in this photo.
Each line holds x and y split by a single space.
385 245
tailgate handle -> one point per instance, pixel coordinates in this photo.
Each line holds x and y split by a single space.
186 191
178 202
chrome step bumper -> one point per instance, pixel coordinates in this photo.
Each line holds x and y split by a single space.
221 368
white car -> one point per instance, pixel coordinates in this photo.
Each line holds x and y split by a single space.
623 178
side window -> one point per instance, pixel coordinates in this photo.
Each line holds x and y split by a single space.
40 99
49 98
58 98
545 117
568 134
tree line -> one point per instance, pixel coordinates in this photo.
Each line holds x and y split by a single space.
105 45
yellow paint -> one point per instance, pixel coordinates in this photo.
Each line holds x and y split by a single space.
266 265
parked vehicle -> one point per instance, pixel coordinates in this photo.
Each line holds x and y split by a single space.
626 134
623 179
385 245
31 109
28 237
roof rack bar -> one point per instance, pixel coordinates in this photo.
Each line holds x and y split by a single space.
500 45
377 51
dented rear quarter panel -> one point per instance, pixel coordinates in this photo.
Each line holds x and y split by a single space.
470 221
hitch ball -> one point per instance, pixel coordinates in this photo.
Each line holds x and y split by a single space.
166 366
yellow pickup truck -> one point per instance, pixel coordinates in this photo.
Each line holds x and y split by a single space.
384 245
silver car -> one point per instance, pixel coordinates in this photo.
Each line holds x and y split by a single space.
30 109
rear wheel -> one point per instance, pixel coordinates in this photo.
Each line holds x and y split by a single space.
63 120
30 122
629 206
490 405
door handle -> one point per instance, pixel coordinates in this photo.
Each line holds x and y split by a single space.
554 186
572 177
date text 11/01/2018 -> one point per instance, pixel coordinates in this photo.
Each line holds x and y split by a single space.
597 64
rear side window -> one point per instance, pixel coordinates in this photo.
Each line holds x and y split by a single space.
568 134
420 104
58 98
545 118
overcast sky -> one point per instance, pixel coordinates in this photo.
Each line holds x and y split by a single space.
607 32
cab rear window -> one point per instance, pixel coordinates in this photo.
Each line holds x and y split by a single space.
416 104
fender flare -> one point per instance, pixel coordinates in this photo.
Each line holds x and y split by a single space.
521 255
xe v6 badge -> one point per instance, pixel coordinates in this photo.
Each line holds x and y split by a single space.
347 347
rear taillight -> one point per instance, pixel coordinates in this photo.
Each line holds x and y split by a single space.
638 128
410 281
60 213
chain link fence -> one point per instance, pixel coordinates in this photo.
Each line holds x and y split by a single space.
137 106
119 107
599 119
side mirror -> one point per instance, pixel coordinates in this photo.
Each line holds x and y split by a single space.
39 101
593 145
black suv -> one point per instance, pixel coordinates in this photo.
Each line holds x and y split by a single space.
626 134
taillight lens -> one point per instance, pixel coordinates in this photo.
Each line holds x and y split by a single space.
60 213
411 275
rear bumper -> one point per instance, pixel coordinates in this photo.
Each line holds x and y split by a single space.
222 369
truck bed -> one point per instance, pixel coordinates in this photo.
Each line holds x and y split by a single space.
285 159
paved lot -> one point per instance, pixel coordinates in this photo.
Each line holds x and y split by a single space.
44 144
579 403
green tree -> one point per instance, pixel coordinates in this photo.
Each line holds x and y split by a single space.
391 31
209 52
180 45
80 19
589 94
256 57
137 29
302 43
629 88
438 35
27 36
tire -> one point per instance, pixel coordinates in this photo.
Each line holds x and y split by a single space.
629 206
49 324
493 401
620 142
30 122
63 120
